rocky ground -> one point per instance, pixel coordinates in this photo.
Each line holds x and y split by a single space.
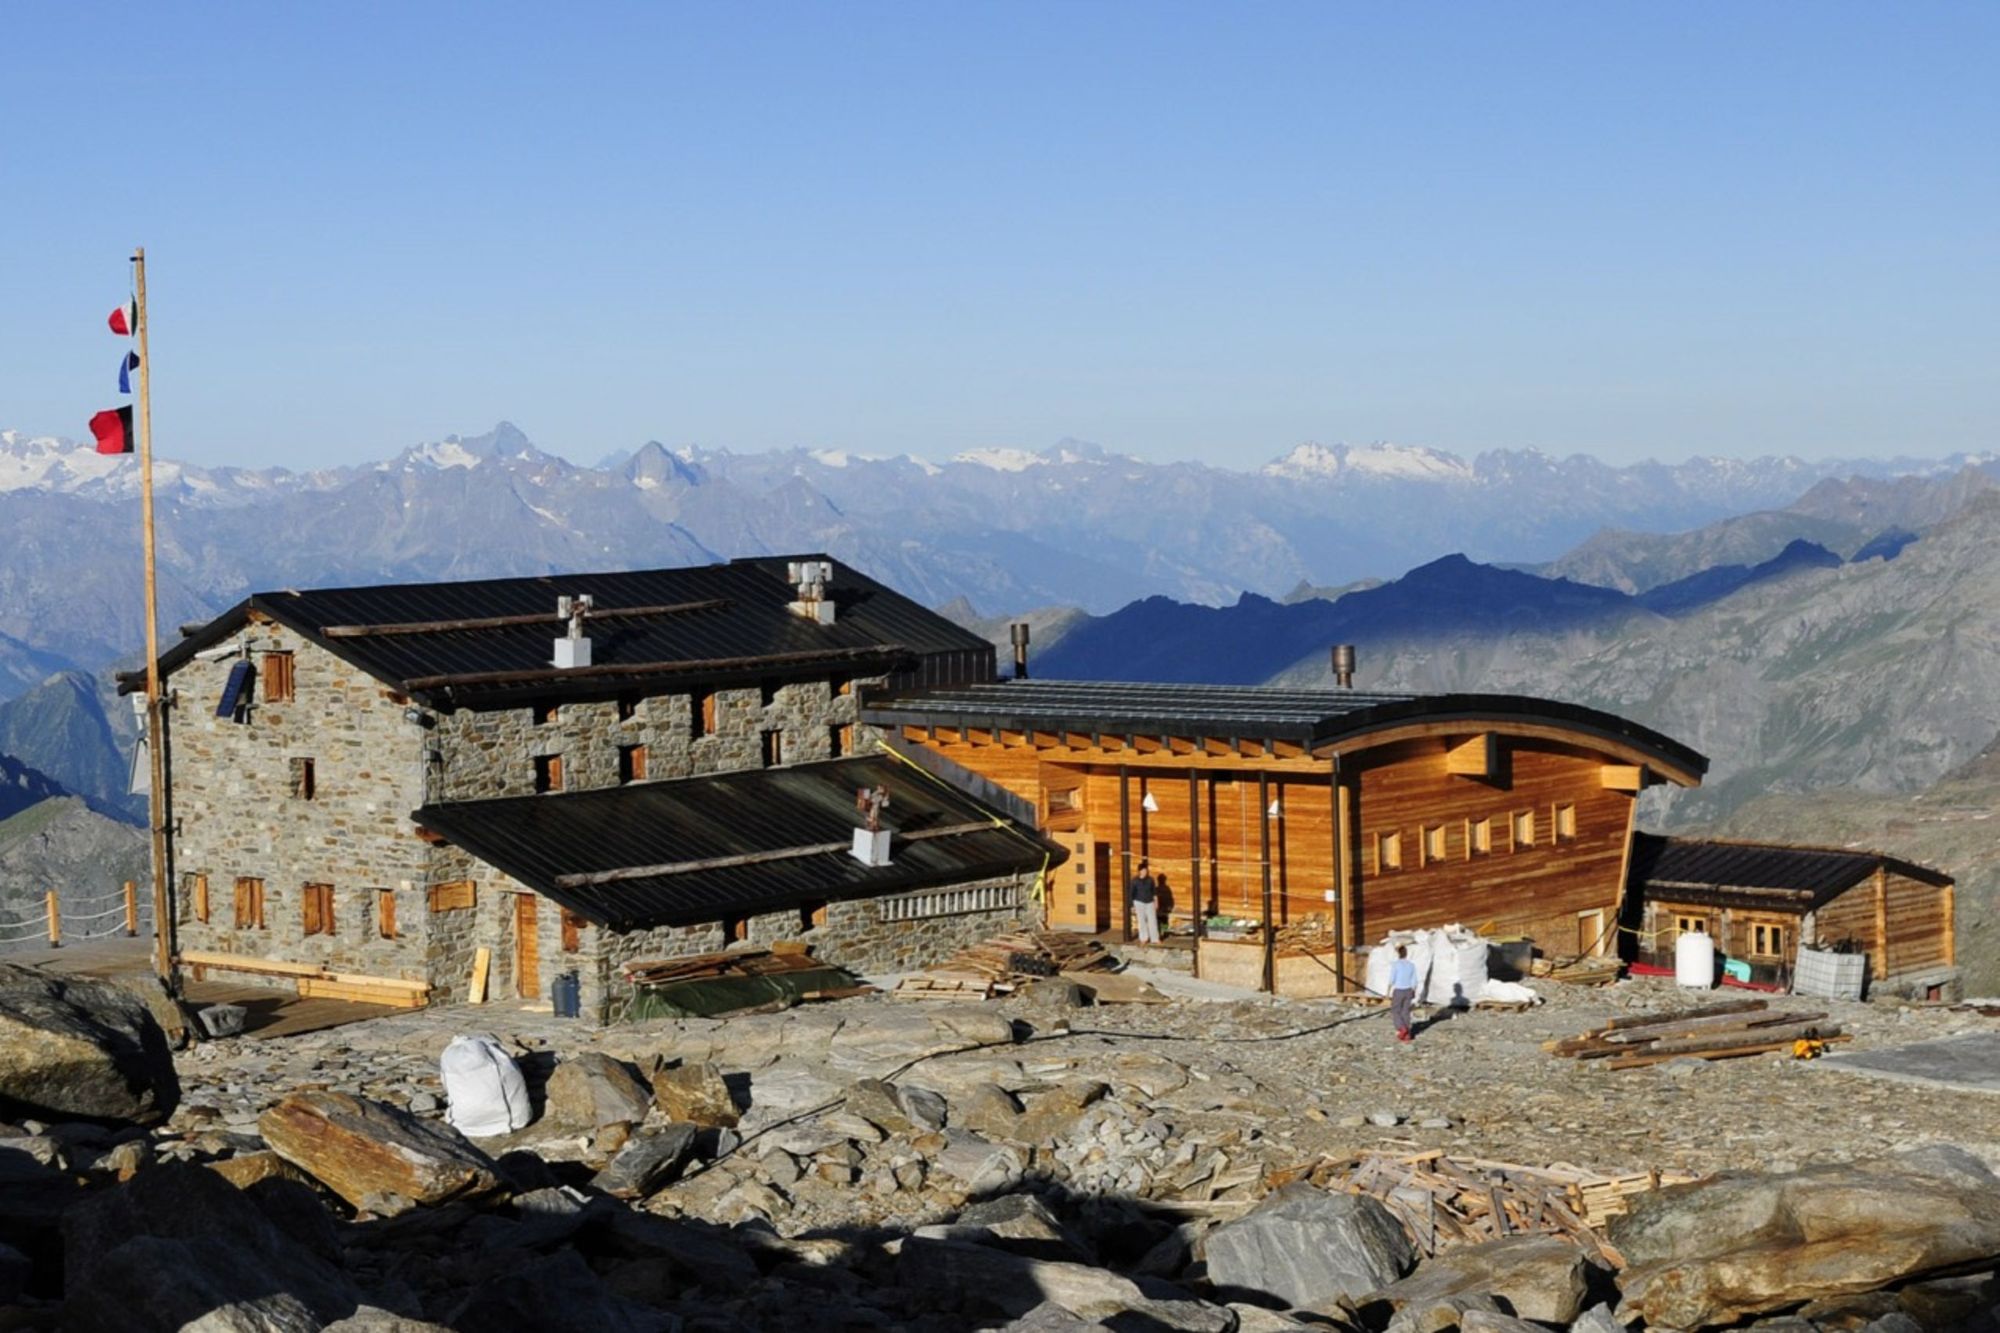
872 1164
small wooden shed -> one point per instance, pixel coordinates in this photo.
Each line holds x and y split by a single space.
1761 901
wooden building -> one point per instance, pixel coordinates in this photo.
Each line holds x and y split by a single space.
1760 902
1377 812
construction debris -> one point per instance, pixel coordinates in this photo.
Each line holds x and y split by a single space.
1717 1032
997 965
1305 937
785 956
1447 1201
1585 971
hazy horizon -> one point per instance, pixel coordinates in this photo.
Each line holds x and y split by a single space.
1180 232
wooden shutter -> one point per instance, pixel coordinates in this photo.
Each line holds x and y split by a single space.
572 931
245 917
277 678
201 898
453 896
385 913
318 909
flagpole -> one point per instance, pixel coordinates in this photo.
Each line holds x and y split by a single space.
163 959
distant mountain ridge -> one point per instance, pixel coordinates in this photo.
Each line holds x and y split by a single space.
1007 529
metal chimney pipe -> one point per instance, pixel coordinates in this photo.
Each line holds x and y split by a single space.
1343 665
1018 632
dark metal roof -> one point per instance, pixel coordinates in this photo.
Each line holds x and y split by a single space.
541 839
1805 877
1246 712
875 630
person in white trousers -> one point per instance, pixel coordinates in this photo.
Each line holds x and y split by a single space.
1144 896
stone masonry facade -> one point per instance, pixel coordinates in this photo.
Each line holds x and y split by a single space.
316 790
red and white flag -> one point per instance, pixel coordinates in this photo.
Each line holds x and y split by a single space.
113 429
125 319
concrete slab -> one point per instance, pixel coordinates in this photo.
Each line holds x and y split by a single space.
1969 1063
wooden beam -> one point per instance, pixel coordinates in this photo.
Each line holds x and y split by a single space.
1047 740
1011 737
1882 918
979 735
1622 777
1111 744
1213 745
1287 750
1250 749
1346 883
1264 851
1077 740
918 735
594 877
1475 758
1950 892
503 622
1609 746
1125 847
1194 858
1146 744
946 735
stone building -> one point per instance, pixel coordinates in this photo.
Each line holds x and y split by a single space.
368 787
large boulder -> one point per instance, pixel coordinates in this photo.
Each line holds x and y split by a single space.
75 1048
1544 1278
648 1162
558 1291
376 1156
984 1282
181 1247
695 1094
1304 1246
1712 1253
591 1091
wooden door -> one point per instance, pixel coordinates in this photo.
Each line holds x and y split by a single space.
1102 881
1590 937
527 949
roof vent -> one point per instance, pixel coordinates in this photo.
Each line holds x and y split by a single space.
573 650
871 840
1343 665
810 577
1018 632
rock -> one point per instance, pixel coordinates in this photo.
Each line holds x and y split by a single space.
1052 1115
364 1150
1537 1277
1018 1223
986 1108
592 1091
1256 1319
371 1320
181 1247
925 1109
1739 1246
1303 1246
1597 1319
74 1048
893 1037
694 1252
558 1291
1048 1317
174 1018
1385 1119
980 1166
980 1280
877 1103
647 1163
1489 1321
695 1094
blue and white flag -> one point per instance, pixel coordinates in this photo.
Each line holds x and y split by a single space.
125 369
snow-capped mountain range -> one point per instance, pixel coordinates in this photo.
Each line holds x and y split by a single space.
1007 528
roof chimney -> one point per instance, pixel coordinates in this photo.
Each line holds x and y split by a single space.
810 577
1343 665
871 840
573 650
1018 632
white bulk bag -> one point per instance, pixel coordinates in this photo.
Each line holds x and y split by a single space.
1382 958
483 1088
1471 951
1441 984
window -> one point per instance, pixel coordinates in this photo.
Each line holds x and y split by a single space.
1478 836
453 895
277 673
1388 852
1690 925
249 904
812 915
198 895
631 763
1562 823
767 692
735 929
1767 941
1433 843
385 913
1066 802
572 931
317 906
547 714
701 714
548 773
628 707
1524 829
841 686
774 748
302 779
840 741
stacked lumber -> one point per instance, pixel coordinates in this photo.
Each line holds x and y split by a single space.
927 987
1447 1201
315 981
1584 971
1004 959
785 956
1305 937
1716 1032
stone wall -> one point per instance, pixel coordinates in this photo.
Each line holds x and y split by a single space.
493 753
238 811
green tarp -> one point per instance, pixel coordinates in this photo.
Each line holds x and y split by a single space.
711 997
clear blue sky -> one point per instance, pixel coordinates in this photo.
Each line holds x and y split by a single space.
1180 231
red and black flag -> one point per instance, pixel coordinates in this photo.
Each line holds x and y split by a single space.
113 429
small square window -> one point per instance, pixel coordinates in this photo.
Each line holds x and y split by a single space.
303 786
628 707
385 913
547 714
701 714
812 915
1690 925
1767 941
317 903
840 741
1433 843
1388 852
774 748
631 763
841 686
278 680
735 929
249 904
767 692
1563 823
1524 829
548 773
1478 836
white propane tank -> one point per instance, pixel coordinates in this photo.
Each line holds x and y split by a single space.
1694 960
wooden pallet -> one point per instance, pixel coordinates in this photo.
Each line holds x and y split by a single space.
926 988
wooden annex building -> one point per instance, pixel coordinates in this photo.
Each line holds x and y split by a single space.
1760 902
1377 812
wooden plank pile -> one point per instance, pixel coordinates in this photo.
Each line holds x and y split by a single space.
784 956
998 965
1584 971
1716 1032
1305 937
1447 1201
